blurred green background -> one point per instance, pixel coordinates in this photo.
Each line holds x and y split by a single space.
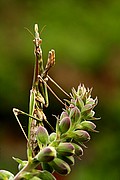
86 37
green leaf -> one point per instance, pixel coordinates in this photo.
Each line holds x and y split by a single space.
20 162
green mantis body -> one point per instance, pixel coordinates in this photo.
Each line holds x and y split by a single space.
38 95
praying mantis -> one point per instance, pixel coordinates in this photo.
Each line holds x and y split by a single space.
38 95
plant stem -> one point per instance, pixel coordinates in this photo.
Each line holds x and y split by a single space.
29 166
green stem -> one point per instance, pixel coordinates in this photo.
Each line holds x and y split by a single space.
29 166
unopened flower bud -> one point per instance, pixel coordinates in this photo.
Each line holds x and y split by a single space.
68 159
64 124
47 167
86 110
75 114
91 114
81 90
47 154
71 106
65 149
74 93
42 135
90 101
63 114
88 126
79 103
81 136
60 166
72 101
52 137
78 149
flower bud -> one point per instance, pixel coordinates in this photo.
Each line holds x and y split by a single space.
75 114
64 124
63 114
47 154
78 149
42 135
88 126
74 93
79 103
90 101
81 136
47 167
86 110
60 166
81 90
72 101
91 114
71 106
52 137
68 159
65 149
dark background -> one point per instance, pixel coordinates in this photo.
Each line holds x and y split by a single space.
86 37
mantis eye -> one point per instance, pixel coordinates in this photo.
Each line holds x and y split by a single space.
40 41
